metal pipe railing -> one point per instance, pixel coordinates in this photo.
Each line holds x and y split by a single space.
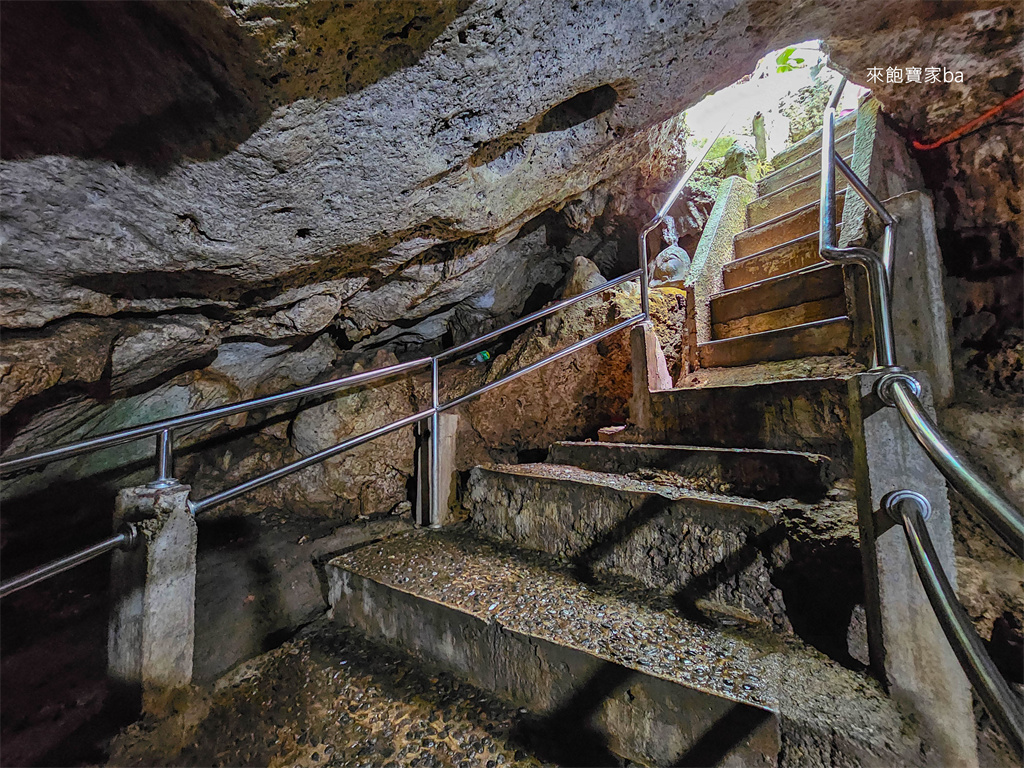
660 216
314 458
164 429
877 266
911 510
193 419
574 347
126 538
895 390
540 313
900 390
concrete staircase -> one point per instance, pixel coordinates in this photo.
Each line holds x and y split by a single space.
646 603
780 300
692 593
664 604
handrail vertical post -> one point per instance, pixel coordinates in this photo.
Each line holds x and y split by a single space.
878 267
433 455
827 207
889 249
645 291
164 460
880 293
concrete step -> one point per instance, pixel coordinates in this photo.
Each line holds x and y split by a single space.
814 283
801 192
606 676
784 229
788 257
823 337
845 125
715 554
778 319
802 167
758 474
807 414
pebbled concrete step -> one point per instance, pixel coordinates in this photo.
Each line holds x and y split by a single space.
803 166
823 337
845 125
717 554
788 257
607 675
759 474
793 225
802 192
814 283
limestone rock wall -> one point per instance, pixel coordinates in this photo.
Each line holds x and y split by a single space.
208 201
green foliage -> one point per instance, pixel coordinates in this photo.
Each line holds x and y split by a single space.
720 147
786 62
764 167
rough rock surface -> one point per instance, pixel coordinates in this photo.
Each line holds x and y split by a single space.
207 202
360 172
571 397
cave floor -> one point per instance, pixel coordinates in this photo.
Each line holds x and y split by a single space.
330 697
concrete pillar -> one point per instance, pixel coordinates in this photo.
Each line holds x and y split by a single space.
908 650
448 424
650 372
152 625
918 301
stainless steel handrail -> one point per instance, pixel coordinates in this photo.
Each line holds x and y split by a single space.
126 538
540 313
575 347
898 389
314 458
911 510
876 265
194 419
662 214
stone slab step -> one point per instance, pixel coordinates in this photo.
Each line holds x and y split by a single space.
716 554
809 414
791 226
757 473
608 677
802 192
803 166
845 125
819 281
824 337
777 319
788 257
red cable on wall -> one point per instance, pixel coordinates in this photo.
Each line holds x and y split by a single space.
971 125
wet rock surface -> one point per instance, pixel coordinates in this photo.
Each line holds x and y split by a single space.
330 697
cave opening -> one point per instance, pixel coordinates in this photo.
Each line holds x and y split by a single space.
434 174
